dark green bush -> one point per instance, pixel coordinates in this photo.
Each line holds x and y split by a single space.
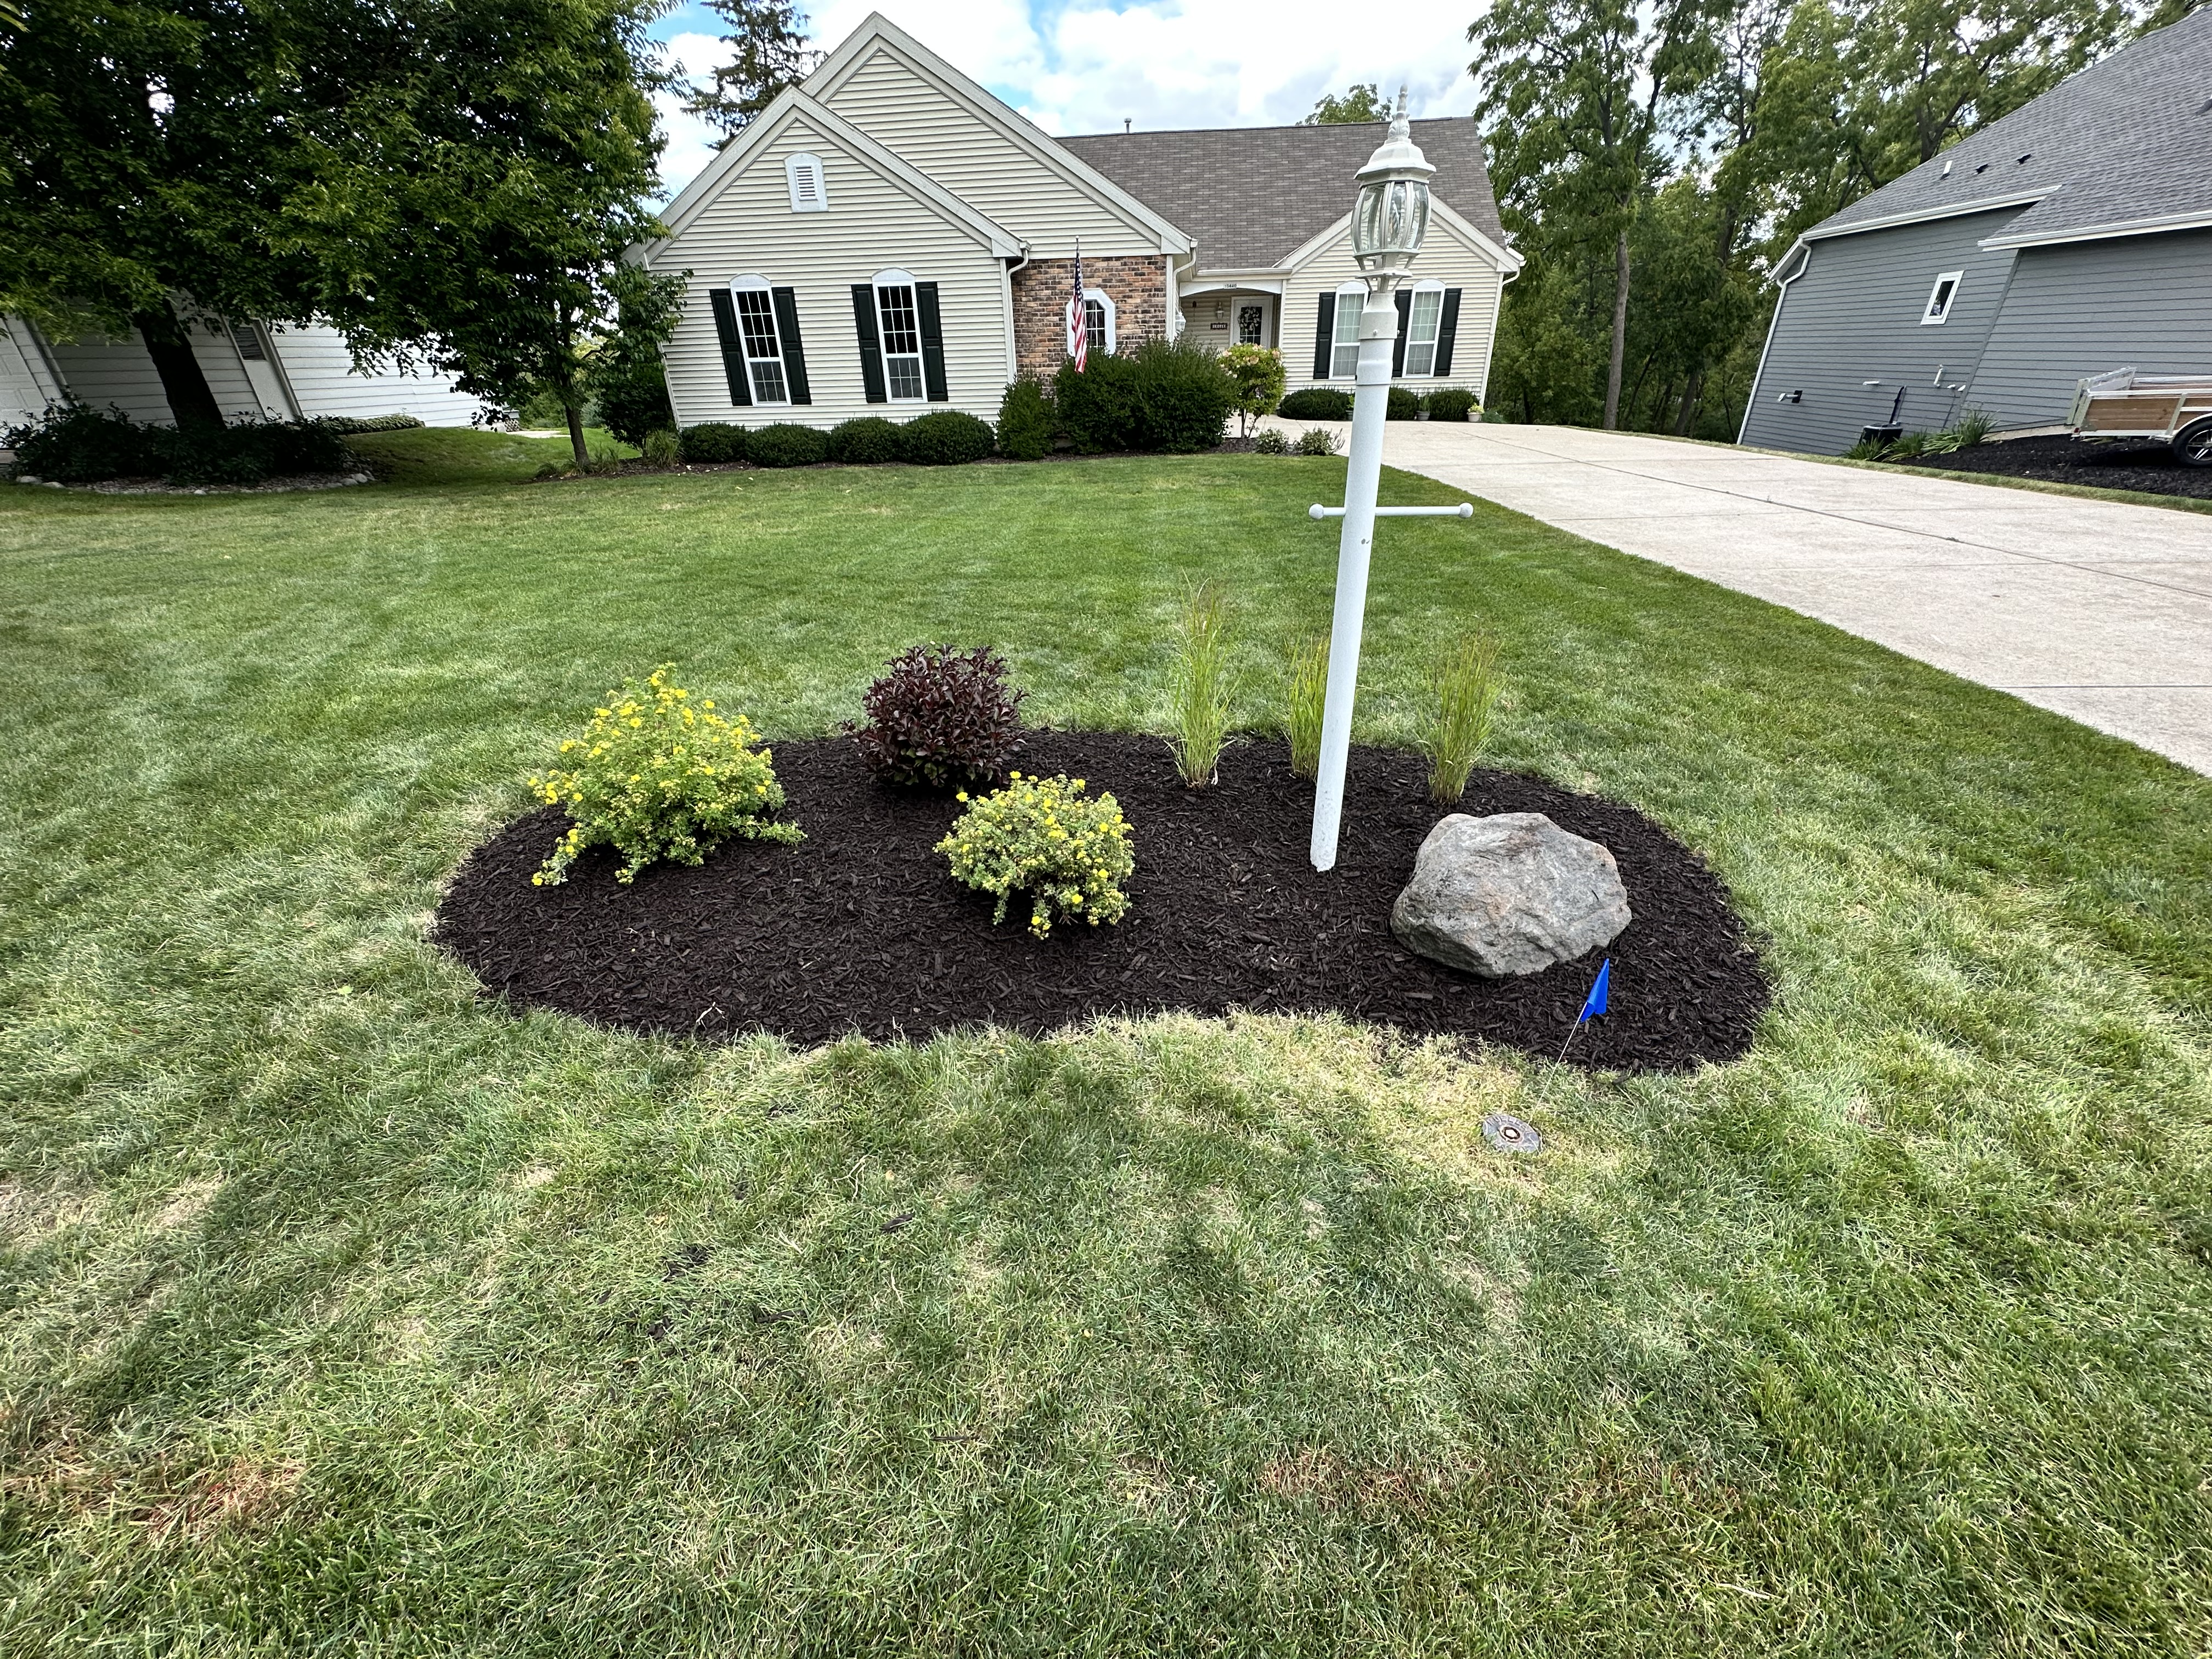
869 440
1316 403
1405 405
349 424
1098 407
785 445
1451 404
1026 419
74 444
1183 396
1165 397
948 437
713 442
77 444
636 401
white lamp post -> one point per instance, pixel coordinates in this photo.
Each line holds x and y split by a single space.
1387 227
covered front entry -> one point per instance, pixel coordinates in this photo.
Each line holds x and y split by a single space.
1225 317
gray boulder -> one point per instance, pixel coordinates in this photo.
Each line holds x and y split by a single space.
1508 894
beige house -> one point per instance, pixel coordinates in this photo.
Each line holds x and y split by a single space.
889 237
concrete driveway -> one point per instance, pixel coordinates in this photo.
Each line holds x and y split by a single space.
2095 610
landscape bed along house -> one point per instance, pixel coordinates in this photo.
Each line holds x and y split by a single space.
889 238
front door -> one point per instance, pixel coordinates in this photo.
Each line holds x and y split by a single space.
1253 325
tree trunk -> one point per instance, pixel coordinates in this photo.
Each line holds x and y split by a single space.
183 381
576 434
1619 330
1688 413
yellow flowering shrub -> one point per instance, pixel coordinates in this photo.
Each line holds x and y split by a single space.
1043 837
661 774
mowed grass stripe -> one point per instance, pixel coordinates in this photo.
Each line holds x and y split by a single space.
346 1308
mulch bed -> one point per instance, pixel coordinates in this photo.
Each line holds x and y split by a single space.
860 928
2117 463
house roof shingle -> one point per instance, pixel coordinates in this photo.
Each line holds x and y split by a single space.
2126 141
1250 197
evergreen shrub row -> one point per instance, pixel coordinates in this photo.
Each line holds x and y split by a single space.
1329 403
945 438
75 443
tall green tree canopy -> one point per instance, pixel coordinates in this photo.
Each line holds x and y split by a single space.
1653 161
1358 103
768 52
451 182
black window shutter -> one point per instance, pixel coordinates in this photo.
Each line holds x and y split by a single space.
1404 298
932 342
1325 336
795 355
1446 331
871 347
733 346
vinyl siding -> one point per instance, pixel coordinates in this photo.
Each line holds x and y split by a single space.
218 358
940 138
1854 315
872 224
112 372
2141 302
1445 258
320 371
24 392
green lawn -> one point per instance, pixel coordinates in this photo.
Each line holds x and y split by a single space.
345 1311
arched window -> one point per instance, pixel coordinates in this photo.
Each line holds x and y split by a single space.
1422 324
1344 342
754 304
810 190
898 327
1098 319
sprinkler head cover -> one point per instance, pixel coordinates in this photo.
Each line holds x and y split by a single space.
1508 1133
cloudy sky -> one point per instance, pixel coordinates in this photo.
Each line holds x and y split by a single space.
1086 67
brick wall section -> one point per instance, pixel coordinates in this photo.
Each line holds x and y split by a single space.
1137 283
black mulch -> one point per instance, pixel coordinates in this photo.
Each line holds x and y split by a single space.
2113 463
860 928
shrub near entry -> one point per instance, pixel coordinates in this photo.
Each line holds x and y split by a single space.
1451 404
941 717
1027 420
1045 837
1405 405
657 777
1316 403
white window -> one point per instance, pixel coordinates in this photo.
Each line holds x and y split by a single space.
810 192
1343 357
1097 317
755 308
1421 328
898 330
1942 297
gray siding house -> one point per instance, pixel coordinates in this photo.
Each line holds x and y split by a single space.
2070 238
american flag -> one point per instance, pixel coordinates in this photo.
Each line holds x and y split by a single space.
1079 314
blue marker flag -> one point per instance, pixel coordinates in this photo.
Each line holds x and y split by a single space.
1594 1002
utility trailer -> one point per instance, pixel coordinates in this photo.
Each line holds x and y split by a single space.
2174 408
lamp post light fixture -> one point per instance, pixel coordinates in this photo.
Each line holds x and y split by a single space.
1387 223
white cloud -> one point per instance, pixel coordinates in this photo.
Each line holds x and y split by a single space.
1088 67
690 140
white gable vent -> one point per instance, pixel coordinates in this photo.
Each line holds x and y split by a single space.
808 193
